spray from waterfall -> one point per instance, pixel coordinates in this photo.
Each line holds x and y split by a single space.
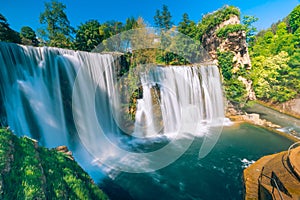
62 97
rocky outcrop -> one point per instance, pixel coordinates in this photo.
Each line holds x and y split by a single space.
254 118
235 42
65 150
292 107
274 176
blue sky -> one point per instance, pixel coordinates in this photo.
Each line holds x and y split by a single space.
26 12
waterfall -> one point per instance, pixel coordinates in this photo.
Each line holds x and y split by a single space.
56 95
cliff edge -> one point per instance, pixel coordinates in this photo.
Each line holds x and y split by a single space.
28 171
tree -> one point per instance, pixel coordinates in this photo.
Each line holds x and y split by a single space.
58 30
110 28
187 26
250 29
131 23
283 40
140 43
88 36
275 60
6 33
294 19
28 36
158 19
163 19
273 79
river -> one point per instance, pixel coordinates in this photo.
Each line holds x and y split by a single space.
217 176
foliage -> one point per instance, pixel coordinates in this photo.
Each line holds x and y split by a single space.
58 30
225 63
249 28
163 18
294 19
88 36
6 33
273 79
28 36
275 60
187 26
32 172
211 20
231 28
235 90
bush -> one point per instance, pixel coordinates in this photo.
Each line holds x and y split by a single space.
231 28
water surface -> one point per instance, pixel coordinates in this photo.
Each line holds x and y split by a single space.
217 176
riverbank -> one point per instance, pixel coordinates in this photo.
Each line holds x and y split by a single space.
284 107
268 118
250 119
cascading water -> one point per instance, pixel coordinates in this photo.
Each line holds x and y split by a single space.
39 86
144 113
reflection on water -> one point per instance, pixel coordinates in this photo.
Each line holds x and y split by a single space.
217 176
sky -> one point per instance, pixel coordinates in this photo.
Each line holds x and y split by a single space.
26 12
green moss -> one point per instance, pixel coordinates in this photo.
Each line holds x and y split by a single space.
32 172
231 28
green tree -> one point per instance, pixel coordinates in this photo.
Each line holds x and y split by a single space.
142 39
250 29
131 23
163 18
294 19
28 36
88 36
110 28
187 26
6 33
283 41
58 30
273 79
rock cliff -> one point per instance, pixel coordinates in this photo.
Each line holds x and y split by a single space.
228 35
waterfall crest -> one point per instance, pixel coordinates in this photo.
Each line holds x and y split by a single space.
44 89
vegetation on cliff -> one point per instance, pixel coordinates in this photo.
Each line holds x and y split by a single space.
235 90
211 20
32 172
231 28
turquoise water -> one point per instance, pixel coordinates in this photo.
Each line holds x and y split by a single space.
217 176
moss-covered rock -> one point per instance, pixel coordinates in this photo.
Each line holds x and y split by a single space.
32 172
